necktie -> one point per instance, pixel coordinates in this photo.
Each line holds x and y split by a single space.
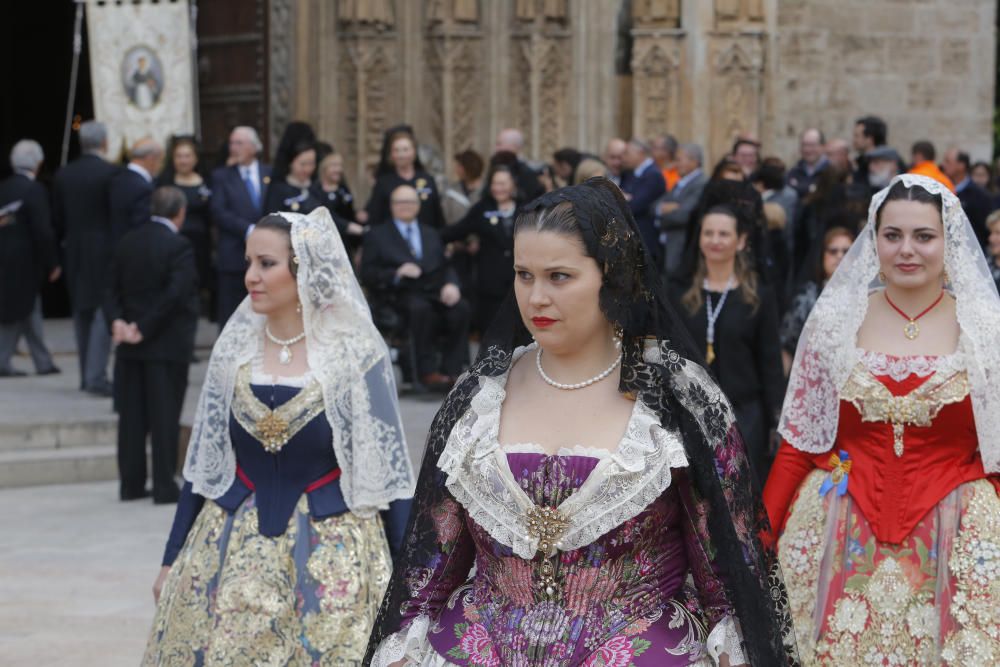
251 189
411 240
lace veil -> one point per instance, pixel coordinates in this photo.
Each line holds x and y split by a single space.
660 369
827 350
348 358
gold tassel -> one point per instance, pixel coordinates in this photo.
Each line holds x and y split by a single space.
710 353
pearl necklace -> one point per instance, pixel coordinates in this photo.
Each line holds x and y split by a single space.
579 385
285 355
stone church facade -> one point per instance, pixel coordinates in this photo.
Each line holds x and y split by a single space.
576 72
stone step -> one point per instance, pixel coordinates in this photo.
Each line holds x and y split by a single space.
42 436
35 467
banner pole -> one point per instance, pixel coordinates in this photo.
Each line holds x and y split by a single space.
193 9
74 71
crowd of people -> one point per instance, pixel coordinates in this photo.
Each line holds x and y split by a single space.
824 333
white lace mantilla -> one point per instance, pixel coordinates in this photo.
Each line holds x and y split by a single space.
620 486
900 368
827 352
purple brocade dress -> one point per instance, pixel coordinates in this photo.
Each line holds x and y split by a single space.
619 600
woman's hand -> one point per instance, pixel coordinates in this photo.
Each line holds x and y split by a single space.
158 584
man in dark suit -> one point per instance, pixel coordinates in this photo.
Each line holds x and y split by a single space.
27 255
82 216
153 310
132 187
403 262
239 191
675 208
643 184
977 202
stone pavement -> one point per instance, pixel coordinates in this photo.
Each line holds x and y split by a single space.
77 565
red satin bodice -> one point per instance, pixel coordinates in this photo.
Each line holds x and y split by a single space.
894 493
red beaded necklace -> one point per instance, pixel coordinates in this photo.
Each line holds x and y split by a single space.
911 330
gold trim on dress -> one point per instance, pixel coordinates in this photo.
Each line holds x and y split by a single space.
274 428
918 408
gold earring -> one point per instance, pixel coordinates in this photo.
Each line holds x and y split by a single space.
881 276
298 307
945 277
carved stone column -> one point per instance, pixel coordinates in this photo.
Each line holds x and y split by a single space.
657 69
457 77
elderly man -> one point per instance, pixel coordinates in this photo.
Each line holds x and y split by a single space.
152 308
403 264
643 184
82 214
132 187
239 191
613 157
529 187
27 255
838 153
802 176
675 209
976 201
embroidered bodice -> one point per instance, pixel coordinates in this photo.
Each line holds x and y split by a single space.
573 552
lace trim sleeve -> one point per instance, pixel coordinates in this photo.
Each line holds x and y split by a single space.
726 639
410 643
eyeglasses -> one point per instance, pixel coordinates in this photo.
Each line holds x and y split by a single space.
403 201
837 251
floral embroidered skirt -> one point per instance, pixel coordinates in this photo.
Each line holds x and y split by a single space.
236 597
934 599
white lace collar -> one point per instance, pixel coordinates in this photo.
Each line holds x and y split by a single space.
259 377
620 486
901 367
575 450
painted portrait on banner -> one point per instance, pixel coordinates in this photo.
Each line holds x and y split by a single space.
142 76
141 69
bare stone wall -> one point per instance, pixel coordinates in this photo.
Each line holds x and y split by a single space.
925 66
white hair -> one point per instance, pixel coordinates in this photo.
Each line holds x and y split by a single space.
93 136
26 155
254 137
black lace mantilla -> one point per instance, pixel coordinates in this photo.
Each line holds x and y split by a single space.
657 368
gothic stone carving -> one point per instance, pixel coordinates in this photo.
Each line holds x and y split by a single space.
737 90
656 13
656 71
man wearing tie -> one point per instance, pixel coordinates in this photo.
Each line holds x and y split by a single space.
152 306
238 193
403 262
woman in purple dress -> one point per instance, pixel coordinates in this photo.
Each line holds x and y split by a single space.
585 497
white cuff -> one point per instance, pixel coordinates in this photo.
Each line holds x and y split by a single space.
726 639
413 644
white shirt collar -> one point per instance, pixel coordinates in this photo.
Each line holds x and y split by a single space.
139 169
166 222
27 173
641 169
252 170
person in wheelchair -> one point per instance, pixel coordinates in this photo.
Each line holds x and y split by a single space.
404 269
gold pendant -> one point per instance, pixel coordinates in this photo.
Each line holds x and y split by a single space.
911 330
547 524
710 353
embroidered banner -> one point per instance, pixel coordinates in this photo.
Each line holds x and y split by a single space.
141 69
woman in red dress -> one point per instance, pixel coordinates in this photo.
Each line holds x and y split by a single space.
884 491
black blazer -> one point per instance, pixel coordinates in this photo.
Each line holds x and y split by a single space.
27 245
233 212
130 200
384 250
978 205
430 203
495 259
154 284
81 214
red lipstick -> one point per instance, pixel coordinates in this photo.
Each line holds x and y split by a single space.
542 322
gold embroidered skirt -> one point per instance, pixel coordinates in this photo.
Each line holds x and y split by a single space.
236 597
933 599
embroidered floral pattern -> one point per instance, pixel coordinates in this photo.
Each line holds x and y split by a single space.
887 604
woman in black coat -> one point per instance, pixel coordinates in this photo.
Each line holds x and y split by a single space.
402 166
491 220
733 316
